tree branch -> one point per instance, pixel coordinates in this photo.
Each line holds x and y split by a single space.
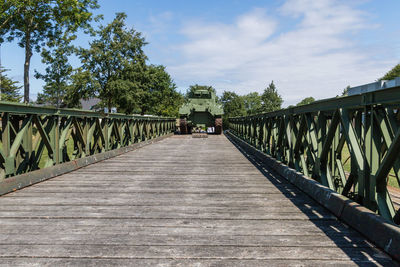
10 17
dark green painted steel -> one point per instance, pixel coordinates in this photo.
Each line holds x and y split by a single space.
39 137
312 138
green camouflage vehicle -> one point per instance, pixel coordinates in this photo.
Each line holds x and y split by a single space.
201 113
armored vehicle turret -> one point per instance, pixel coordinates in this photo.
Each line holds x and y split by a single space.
201 113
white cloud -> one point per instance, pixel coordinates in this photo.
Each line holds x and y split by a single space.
317 57
156 24
159 22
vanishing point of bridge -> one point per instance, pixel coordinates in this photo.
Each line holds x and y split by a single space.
180 201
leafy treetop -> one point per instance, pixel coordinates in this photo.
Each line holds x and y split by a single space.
392 74
9 90
35 23
57 76
116 62
271 99
252 103
306 101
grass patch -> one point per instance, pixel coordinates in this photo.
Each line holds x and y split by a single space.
392 181
45 155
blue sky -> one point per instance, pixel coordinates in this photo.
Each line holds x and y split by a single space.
308 47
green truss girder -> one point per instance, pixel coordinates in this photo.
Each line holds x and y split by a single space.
312 139
37 137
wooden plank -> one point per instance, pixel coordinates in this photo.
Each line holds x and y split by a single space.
177 262
181 201
204 226
181 211
181 240
241 200
155 189
204 252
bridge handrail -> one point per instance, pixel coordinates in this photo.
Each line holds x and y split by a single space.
34 137
320 139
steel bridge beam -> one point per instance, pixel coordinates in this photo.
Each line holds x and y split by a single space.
349 144
38 137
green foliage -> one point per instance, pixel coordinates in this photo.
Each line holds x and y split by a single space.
9 10
392 74
156 94
58 72
115 71
36 23
233 105
164 99
271 99
346 91
116 62
306 101
82 83
8 88
252 103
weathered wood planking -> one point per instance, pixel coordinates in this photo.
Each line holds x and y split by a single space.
183 201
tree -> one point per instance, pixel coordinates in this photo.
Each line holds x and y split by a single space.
9 10
82 86
346 91
9 91
116 62
155 94
306 101
392 74
252 103
233 105
35 22
58 72
271 99
164 100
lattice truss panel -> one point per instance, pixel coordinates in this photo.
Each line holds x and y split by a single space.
349 144
34 138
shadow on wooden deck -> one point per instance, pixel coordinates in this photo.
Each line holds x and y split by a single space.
349 241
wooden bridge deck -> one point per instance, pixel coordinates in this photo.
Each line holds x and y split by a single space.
182 201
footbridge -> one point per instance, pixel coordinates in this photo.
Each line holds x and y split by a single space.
302 186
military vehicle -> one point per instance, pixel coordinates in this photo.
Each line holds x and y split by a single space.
201 113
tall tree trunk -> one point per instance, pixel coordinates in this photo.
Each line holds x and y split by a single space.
28 55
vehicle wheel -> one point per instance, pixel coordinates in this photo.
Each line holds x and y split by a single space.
183 126
218 125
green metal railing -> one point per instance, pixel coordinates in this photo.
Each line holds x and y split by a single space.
349 144
37 137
